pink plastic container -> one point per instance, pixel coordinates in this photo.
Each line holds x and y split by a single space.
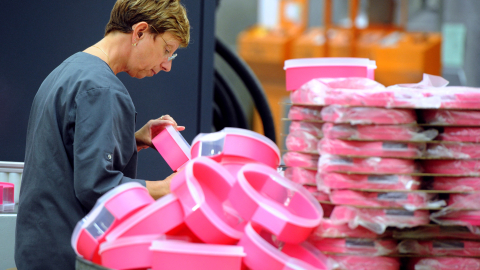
366 262
110 210
378 132
330 229
460 217
440 247
372 247
454 150
436 232
375 199
370 149
458 97
286 209
301 141
151 220
235 147
452 117
367 115
203 188
333 163
301 175
456 183
452 167
300 71
173 147
328 181
180 255
295 159
7 197
300 113
131 252
461 134
313 128
263 253
377 220
447 263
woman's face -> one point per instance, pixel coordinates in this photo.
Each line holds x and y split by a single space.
150 56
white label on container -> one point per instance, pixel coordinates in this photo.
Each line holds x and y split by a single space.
392 196
359 243
101 223
394 146
399 212
383 179
448 244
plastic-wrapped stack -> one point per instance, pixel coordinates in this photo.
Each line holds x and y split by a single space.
390 158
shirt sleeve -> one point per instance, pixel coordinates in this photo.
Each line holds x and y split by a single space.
104 142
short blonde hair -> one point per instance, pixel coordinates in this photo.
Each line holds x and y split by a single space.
164 15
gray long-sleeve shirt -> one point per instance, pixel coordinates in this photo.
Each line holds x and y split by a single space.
80 144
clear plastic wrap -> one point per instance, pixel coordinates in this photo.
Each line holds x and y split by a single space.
456 183
410 201
366 263
440 247
451 117
377 220
358 246
378 132
319 195
452 167
333 163
460 134
304 113
301 175
448 263
465 201
313 128
436 232
295 159
330 229
301 141
328 181
371 149
458 97
454 150
345 91
459 212
367 116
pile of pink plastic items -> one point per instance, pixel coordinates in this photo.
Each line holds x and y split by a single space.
229 208
389 159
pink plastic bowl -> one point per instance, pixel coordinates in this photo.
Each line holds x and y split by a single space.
300 71
262 253
173 147
452 117
202 188
370 149
180 255
285 208
453 167
7 197
151 219
447 263
234 147
375 247
330 229
110 210
358 181
367 262
368 115
131 252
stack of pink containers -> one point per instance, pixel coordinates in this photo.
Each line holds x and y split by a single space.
229 208
389 160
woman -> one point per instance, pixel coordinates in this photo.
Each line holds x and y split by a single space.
81 139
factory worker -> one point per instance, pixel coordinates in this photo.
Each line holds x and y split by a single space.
81 139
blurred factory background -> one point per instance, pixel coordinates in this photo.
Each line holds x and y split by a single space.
406 38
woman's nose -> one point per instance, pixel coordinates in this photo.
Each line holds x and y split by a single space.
166 66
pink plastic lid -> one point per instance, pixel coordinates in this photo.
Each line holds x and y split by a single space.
329 61
151 219
285 208
107 212
202 188
7 197
131 252
263 252
196 248
173 147
236 142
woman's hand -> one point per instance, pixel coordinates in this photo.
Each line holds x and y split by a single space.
152 128
158 189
